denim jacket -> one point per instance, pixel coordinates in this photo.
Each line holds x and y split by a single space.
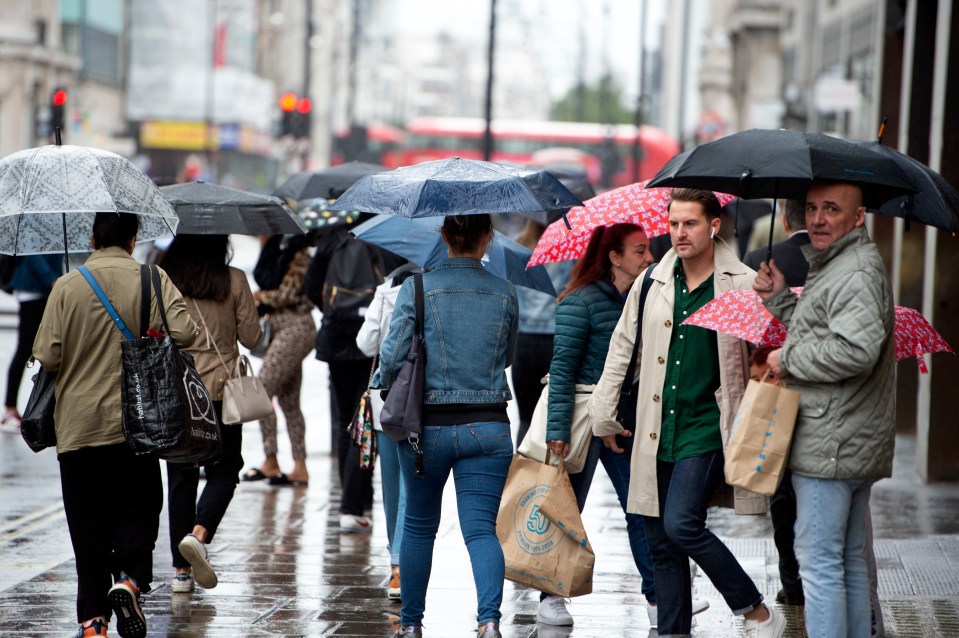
470 325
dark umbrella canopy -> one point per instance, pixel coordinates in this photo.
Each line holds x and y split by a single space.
328 183
457 187
209 209
419 241
780 163
936 203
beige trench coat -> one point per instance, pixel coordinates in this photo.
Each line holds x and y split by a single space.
730 274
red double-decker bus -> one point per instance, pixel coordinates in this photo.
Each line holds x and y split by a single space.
373 143
566 145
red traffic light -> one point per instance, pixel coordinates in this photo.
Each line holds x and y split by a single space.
288 102
59 97
304 105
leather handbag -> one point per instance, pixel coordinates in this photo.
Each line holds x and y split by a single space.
402 414
244 397
167 411
266 337
580 432
36 424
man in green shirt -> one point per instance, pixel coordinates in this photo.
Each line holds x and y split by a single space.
691 381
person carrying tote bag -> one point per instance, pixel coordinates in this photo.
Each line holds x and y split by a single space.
112 540
586 314
466 430
220 300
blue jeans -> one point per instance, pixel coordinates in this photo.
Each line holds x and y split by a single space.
478 455
680 533
830 545
394 493
617 468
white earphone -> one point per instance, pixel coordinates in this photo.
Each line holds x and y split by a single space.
712 233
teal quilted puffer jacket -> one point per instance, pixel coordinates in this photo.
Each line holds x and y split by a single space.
585 320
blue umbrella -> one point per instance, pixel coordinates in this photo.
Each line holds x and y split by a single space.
419 241
458 187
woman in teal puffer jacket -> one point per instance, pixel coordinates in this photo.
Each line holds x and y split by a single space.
586 315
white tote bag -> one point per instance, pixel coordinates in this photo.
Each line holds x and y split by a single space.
580 433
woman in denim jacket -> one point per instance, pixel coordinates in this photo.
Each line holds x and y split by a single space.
470 326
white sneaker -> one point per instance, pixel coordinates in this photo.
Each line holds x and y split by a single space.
351 524
195 553
182 583
699 606
10 422
552 611
774 627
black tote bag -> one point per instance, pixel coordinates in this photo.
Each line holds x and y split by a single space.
36 425
167 411
402 413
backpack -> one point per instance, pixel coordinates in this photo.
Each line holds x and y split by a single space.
352 276
8 266
275 258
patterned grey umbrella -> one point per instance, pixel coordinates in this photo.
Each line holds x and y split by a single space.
50 195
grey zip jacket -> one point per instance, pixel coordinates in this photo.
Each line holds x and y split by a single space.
839 354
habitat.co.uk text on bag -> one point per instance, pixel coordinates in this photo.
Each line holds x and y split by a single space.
541 532
244 397
167 411
580 432
402 414
758 448
37 426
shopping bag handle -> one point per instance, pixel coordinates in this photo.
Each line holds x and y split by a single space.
561 463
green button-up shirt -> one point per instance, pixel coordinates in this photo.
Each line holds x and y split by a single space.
690 411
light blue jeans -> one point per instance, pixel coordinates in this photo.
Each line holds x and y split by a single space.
478 455
830 543
394 493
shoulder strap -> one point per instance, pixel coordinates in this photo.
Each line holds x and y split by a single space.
106 302
418 294
210 340
627 388
144 299
155 276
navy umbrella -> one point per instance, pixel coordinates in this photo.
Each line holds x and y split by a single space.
419 241
209 209
458 187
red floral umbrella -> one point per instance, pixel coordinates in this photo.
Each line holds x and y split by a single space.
740 313
632 204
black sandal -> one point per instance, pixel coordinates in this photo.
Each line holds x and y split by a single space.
253 474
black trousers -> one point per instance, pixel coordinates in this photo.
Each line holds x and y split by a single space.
112 499
782 511
534 352
222 477
348 381
31 312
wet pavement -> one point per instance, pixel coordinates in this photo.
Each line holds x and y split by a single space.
286 570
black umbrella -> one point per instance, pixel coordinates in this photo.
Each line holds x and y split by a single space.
209 209
936 203
328 183
779 163
457 187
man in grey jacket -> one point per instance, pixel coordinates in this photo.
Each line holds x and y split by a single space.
839 355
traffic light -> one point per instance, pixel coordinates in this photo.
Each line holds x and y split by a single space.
288 102
302 118
57 101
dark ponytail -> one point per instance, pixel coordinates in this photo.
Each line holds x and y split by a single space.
465 233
